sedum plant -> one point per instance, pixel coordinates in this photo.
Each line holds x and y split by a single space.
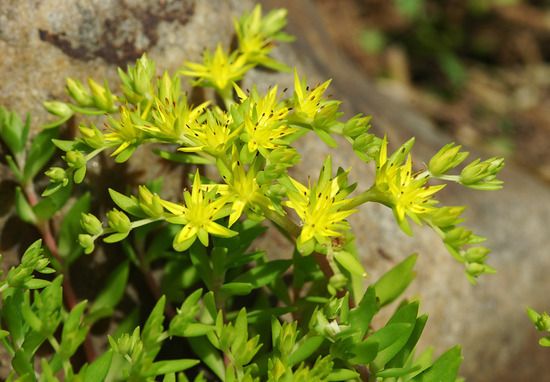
223 310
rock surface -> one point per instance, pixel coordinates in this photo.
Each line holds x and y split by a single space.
42 42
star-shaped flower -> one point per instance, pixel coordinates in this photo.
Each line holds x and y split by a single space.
198 216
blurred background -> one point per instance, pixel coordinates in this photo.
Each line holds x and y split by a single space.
479 69
473 71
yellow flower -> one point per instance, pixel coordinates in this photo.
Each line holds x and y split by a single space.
264 120
171 115
314 112
219 70
405 193
212 136
124 133
242 189
256 36
321 208
198 216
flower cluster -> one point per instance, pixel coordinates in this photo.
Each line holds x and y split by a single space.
249 139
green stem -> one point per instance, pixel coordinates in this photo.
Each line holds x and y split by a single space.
370 195
94 153
289 228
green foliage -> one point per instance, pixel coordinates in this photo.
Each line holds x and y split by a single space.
542 324
243 315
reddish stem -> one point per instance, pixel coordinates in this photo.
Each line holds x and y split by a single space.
68 292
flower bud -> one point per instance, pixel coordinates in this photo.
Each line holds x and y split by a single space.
476 254
143 74
367 146
92 136
446 216
60 109
86 241
118 221
57 175
91 224
543 322
102 96
165 87
482 174
77 91
400 154
357 126
149 202
75 159
446 159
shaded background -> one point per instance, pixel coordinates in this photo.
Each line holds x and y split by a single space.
407 68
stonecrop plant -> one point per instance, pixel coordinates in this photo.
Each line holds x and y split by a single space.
223 310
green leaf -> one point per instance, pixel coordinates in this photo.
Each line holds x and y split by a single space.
264 274
172 366
52 202
445 368
236 289
361 316
12 130
396 372
210 304
23 208
14 168
196 330
350 263
111 294
70 228
342 375
36 284
22 364
11 315
406 314
183 158
125 154
305 347
126 203
390 339
395 281
97 370
200 260
401 357
153 329
116 237
364 352
544 341
65 145
40 153
208 354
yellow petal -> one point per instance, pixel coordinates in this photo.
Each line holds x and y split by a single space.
219 230
186 233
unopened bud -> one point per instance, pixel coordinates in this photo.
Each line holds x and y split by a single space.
57 175
87 242
102 97
118 221
446 159
77 91
92 136
58 108
75 159
91 224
